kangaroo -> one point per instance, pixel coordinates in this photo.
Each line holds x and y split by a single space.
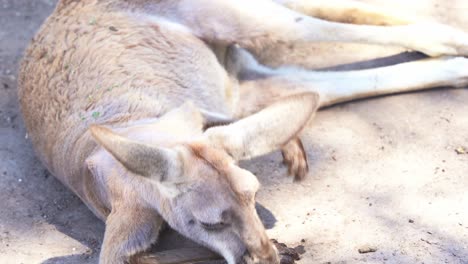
144 107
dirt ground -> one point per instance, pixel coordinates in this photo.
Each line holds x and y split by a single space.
384 172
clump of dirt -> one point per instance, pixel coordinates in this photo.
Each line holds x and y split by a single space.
288 255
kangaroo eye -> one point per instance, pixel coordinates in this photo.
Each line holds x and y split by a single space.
213 226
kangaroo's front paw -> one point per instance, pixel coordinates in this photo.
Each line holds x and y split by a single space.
436 39
295 157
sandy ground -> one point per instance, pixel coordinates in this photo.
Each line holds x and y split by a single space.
384 172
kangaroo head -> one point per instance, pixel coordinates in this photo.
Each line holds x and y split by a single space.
197 186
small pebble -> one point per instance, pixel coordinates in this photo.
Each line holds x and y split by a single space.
460 150
367 249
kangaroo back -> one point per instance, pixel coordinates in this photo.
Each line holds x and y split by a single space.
92 63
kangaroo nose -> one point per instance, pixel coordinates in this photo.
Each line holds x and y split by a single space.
268 255
272 255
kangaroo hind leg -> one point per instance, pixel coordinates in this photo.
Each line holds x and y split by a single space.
348 11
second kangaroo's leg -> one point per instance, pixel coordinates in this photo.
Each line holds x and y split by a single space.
259 84
348 11
338 87
253 24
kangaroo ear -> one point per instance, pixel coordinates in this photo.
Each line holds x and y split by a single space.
267 130
144 160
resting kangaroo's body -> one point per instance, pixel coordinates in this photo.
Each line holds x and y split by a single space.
132 66
149 68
